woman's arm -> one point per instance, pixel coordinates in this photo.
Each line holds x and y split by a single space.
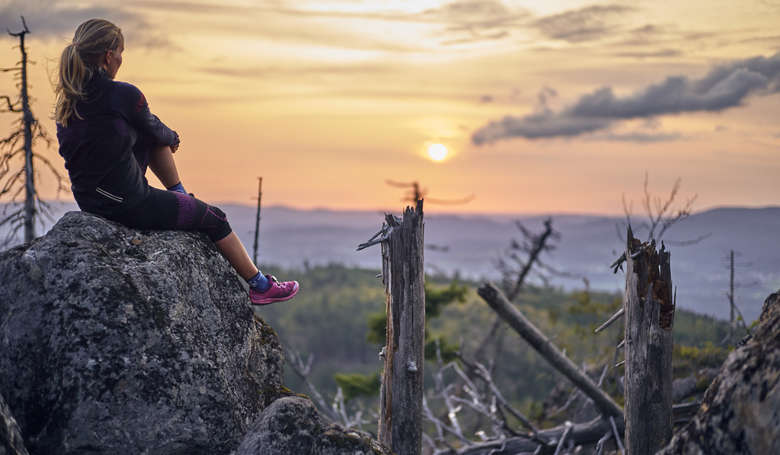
136 109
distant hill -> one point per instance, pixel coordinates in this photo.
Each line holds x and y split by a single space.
589 243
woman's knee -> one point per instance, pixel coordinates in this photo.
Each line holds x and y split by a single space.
216 226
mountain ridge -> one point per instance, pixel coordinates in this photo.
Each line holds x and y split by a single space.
292 237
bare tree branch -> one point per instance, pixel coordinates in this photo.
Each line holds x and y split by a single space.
11 107
660 214
27 131
611 319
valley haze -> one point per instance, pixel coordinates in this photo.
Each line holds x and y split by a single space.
589 244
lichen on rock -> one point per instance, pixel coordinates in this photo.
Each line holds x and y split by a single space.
114 340
292 425
740 413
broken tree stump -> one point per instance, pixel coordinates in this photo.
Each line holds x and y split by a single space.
530 333
400 418
649 304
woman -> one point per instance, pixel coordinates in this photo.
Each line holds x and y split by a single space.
108 138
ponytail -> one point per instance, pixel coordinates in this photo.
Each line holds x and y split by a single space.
79 61
73 76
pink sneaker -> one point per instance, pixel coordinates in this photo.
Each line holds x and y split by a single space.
278 292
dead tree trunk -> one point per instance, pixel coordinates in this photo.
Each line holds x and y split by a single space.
27 120
29 197
731 297
257 218
512 316
400 418
649 304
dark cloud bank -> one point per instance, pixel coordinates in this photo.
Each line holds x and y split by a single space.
723 87
48 19
45 18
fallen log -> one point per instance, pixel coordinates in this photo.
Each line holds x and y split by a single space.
512 316
578 434
698 382
581 434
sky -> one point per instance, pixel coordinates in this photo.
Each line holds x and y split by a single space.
555 106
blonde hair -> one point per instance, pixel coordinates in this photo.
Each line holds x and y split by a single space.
79 61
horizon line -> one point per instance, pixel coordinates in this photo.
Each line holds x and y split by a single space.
465 213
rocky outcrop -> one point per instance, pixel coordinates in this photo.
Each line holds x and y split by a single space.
740 413
292 426
11 442
116 341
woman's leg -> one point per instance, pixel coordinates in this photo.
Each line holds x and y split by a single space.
170 210
164 167
173 210
234 251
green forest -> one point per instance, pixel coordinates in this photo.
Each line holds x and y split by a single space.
338 318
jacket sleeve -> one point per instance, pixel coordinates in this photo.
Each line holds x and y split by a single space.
136 109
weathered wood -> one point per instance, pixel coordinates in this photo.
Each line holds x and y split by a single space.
695 383
611 319
581 434
256 245
512 316
578 433
731 297
649 307
27 120
400 420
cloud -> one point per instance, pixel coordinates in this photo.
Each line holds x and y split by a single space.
773 40
644 35
290 24
666 38
482 13
536 126
474 37
584 24
298 71
650 54
724 87
480 20
640 137
543 97
49 19
460 21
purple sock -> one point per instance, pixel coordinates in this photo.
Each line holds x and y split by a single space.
259 282
178 188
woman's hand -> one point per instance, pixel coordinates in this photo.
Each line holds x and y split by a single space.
175 145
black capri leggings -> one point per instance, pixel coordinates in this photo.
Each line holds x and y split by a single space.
174 210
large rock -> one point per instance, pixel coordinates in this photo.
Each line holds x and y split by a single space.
740 413
292 426
11 442
115 341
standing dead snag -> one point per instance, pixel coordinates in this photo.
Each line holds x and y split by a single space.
649 304
18 146
400 398
257 218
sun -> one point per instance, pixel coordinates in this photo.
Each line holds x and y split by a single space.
437 152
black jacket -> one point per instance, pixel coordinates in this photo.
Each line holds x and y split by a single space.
105 146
